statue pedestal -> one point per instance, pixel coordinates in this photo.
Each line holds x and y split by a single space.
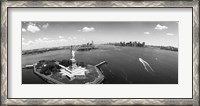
74 66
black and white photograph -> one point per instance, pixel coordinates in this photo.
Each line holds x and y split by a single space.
107 52
100 53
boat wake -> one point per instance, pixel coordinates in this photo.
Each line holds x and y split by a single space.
146 65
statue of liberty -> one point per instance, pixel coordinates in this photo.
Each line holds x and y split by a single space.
74 66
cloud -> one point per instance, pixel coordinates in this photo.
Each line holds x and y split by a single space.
62 40
45 38
45 25
45 41
74 37
160 27
170 34
23 30
147 33
60 37
28 43
32 28
23 43
39 40
71 38
48 40
87 29
83 39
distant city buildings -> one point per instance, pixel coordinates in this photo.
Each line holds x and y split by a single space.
169 48
142 44
134 44
86 47
88 44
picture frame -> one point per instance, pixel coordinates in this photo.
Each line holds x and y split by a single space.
5 5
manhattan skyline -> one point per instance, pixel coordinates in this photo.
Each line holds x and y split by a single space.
37 35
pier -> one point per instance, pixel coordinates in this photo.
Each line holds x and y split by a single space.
100 77
27 66
101 63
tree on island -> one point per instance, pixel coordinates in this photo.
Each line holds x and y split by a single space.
82 64
45 71
49 68
66 63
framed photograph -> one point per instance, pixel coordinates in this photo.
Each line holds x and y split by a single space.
100 53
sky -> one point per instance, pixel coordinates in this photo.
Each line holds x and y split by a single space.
54 34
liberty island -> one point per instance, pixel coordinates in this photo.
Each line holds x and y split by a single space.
68 72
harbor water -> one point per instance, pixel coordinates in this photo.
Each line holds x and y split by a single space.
126 65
